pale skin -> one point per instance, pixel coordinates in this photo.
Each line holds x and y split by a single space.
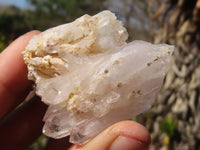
23 125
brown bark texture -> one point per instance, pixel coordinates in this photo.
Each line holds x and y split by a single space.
179 25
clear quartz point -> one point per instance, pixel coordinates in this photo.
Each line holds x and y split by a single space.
91 78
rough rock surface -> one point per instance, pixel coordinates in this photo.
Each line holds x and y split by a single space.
91 78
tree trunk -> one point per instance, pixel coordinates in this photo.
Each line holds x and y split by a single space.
179 100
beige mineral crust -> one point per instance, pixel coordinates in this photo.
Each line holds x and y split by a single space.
90 77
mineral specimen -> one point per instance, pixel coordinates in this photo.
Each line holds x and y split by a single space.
90 77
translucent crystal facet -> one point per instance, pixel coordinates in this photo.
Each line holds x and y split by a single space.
91 78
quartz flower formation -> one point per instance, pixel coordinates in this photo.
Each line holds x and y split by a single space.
90 77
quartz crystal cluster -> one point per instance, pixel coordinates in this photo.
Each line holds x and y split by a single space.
90 77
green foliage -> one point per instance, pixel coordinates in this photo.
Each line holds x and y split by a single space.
134 118
67 9
39 144
3 42
168 126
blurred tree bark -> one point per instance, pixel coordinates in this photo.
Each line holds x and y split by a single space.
177 22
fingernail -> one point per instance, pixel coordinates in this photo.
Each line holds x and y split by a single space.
125 143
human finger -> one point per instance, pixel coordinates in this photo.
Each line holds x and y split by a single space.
14 85
125 135
60 144
22 126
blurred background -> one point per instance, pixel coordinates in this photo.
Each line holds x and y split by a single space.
174 120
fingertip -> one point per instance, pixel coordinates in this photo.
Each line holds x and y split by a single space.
26 37
19 44
125 143
132 129
32 33
125 133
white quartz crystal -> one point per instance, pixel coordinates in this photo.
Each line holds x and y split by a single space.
91 78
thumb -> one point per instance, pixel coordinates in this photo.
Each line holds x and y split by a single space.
125 135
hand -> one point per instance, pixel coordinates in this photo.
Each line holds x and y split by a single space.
23 125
